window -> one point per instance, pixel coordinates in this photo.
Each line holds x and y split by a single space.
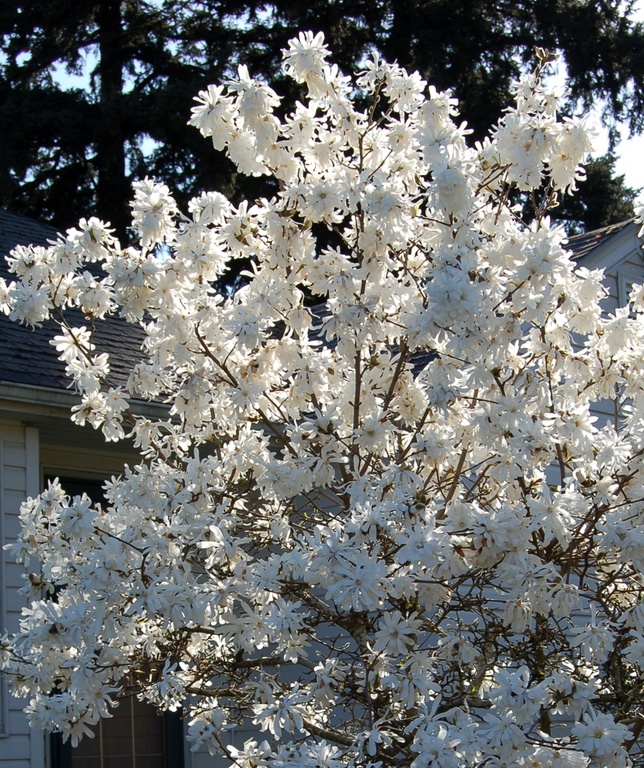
137 735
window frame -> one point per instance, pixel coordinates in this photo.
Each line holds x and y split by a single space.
61 752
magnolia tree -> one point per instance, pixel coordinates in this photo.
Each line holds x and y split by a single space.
377 520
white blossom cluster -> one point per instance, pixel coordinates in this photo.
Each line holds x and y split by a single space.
378 520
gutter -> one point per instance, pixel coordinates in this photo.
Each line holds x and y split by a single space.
46 401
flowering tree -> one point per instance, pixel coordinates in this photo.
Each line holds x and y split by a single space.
384 528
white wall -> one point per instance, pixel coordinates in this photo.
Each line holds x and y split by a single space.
624 265
19 477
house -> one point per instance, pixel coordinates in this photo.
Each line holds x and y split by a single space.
617 250
38 441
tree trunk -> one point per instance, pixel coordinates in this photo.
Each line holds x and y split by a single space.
112 183
399 43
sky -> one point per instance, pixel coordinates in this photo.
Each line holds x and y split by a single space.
630 162
630 152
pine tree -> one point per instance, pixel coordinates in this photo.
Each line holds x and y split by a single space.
78 150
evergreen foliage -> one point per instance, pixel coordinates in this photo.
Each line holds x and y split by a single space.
78 149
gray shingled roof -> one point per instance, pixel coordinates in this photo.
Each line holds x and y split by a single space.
26 356
582 245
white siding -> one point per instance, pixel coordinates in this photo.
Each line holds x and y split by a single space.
619 279
19 746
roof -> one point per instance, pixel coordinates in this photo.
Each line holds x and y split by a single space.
26 356
19 230
582 245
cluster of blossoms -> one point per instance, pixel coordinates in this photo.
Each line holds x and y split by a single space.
377 519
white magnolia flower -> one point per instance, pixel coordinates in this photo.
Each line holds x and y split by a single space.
601 737
377 516
153 210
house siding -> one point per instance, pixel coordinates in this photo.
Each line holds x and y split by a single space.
619 279
19 746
